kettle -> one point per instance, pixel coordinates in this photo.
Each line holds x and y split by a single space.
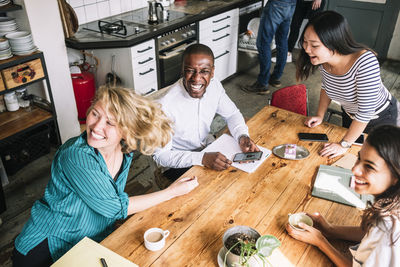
153 17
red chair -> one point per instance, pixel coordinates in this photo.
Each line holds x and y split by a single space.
292 98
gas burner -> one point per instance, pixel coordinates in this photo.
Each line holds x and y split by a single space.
116 27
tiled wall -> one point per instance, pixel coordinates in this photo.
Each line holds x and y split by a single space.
91 10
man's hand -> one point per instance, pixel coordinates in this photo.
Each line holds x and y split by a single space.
216 161
247 145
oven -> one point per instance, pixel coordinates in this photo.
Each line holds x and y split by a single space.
170 49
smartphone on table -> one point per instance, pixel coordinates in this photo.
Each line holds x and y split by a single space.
360 140
316 137
247 157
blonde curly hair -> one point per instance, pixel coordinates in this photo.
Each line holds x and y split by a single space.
141 121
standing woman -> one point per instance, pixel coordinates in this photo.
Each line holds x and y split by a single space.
376 172
350 75
85 194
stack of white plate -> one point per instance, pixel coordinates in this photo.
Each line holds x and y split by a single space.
5 49
21 43
4 2
7 25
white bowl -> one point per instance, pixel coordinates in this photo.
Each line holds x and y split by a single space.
6 20
5 51
22 45
27 52
4 43
22 35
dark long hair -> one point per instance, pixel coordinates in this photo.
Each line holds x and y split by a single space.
334 32
386 141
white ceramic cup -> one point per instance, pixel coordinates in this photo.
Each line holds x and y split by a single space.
301 217
154 238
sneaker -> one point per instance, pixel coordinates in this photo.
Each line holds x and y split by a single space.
274 83
256 88
288 59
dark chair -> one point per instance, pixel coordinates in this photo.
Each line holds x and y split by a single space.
293 98
331 112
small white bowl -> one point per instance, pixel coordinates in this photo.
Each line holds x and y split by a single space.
295 219
21 35
6 20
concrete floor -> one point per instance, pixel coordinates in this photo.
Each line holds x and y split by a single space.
28 184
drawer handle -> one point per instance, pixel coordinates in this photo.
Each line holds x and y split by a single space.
223 54
148 71
218 20
147 60
151 91
219 38
144 50
220 29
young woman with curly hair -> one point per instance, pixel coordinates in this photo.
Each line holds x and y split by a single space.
376 172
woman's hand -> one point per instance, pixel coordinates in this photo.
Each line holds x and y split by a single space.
313 121
321 224
310 235
182 186
332 150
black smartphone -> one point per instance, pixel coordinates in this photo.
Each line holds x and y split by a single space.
249 156
317 137
360 140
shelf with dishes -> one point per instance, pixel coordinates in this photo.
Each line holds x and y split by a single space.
28 123
8 5
13 41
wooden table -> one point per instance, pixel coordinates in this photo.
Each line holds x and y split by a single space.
261 200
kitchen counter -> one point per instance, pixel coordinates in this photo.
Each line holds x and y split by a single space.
195 10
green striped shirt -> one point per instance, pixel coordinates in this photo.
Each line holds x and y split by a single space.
81 199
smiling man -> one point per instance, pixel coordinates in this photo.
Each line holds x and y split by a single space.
192 103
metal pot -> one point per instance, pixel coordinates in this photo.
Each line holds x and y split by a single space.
153 17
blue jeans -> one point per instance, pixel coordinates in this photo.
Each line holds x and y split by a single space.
275 20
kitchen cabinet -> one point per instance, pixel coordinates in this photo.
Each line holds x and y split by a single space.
220 33
136 66
25 134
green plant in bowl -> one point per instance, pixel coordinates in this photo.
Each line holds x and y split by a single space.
249 249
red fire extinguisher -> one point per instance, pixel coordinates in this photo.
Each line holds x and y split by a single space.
84 90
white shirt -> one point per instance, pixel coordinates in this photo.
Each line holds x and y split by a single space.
192 118
375 249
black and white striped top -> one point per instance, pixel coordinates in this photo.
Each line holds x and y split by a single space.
360 91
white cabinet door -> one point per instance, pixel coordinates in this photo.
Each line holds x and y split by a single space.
144 68
216 21
220 33
225 62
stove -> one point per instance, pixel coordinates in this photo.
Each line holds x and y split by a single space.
141 16
130 23
116 27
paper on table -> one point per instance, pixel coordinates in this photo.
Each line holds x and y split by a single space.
346 162
88 253
228 146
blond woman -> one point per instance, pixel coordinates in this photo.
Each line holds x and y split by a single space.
85 194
